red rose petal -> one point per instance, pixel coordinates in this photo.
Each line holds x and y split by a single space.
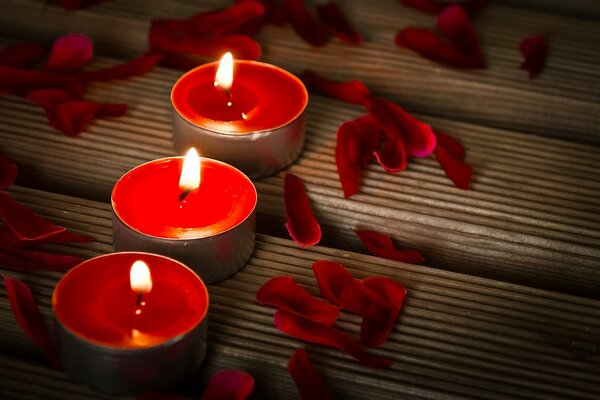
312 332
229 385
8 172
285 294
30 260
14 79
455 24
392 155
69 52
434 6
21 55
449 155
309 382
417 137
353 92
30 319
110 110
241 46
375 332
534 50
178 61
26 224
430 46
137 66
355 144
331 14
307 27
8 238
301 223
225 21
381 245
338 286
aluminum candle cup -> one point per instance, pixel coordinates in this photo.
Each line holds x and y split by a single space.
120 338
212 230
256 124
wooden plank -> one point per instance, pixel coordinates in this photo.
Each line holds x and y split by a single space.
580 9
562 102
532 216
458 336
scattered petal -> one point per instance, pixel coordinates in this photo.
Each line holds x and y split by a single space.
69 52
356 142
353 92
375 332
534 49
179 61
312 332
225 21
451 154
137 66
30 319
8 172
339 287
307 27
30 260
26 224
301 223
309 382
392 155
8 238
455 24
229 385
417 137
285 294
21 55
381 245
17 79
331 14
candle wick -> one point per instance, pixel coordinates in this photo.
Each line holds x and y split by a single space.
138 301
225 90
184 194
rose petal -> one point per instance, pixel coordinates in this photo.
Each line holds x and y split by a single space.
455 24
26 224
21 55
375 332
8 238
225 21
356 142
307 27
179 61
331 14
69 52
229 385
430 46
312 332
301 223
110 110
137 66
309 382
285 294
381 245
30 260
8 172
338 286
398 125
241 46
392 155
274 14
30 319
434 6
450 154
534 49
25 79
353 92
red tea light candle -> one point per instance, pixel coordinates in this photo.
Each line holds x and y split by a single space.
196 210
246 113
130 322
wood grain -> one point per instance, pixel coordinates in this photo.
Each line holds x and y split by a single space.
458 336
562 102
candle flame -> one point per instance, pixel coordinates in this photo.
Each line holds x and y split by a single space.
139 277
190 173
224 75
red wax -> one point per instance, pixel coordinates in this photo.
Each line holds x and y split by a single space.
95 301
147 199
268 96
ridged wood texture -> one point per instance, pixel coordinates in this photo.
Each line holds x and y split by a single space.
532 216
562 102
458 336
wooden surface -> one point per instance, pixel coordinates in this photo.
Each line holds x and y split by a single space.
458 336
532 218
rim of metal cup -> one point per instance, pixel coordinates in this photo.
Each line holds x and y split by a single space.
115 349
112 202
224 133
